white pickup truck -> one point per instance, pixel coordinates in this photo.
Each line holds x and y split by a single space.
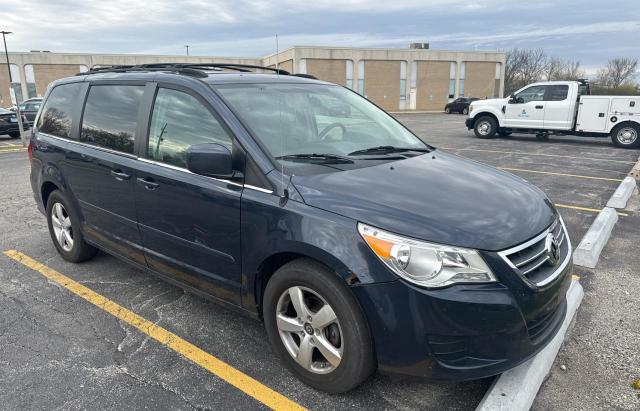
558 107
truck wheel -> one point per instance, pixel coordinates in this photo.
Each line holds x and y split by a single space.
485 127
626 135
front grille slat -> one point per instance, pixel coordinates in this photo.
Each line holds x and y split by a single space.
533 259
536 265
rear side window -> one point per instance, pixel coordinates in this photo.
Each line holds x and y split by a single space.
557 93
56 115
110 116
179 121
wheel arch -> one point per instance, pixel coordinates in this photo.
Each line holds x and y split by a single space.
46 189
480 114
627 122
272 263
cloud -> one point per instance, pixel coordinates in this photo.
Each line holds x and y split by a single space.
577 28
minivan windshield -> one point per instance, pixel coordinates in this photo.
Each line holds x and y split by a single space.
316 123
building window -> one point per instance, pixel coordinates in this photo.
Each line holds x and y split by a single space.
361 77
31 81
403 80
461 81
496 86
349 73
452 80
16 85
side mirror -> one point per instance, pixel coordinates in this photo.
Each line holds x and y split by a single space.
212 160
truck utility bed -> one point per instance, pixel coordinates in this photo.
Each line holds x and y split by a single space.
598 114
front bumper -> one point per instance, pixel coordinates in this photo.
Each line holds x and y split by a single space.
9 128
462 332
469 123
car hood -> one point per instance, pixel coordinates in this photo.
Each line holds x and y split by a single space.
493 102
436 197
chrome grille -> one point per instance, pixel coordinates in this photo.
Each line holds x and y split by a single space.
541 259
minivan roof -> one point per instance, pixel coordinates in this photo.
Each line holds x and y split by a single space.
211 76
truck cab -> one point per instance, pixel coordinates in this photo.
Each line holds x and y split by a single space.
558 107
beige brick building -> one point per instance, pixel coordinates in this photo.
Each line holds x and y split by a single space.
395 79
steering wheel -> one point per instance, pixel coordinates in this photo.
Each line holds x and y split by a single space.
327 129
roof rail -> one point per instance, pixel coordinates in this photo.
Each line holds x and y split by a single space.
193 69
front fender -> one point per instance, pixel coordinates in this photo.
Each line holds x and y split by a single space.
269 229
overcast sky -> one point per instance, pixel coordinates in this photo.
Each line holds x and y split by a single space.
590 31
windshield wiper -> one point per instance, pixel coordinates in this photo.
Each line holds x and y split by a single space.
387 149
316 157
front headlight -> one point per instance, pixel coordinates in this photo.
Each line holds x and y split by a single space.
426 264
470 108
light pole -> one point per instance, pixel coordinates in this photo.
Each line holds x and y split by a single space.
187 46
18 115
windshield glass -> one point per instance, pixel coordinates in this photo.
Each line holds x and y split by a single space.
301 119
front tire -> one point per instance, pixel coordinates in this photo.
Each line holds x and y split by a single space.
64 228
317 327
626 135
485 127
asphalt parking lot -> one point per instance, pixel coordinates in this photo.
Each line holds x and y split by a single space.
60 351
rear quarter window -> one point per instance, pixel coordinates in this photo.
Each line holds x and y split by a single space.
57 113
110 116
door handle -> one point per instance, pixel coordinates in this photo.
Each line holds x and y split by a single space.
539 107
120 175
148 183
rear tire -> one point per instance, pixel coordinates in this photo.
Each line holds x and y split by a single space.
290 331
465 111
626 135
64 228
15 134
485 127
447 110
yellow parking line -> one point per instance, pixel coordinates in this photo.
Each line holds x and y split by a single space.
12 150
539 154
238 379
591 210
559 174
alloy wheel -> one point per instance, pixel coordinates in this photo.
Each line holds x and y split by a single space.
310 330
62 229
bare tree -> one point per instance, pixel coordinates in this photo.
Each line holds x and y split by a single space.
522 67
560 69
619 71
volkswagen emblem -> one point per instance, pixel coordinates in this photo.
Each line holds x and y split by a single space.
552 249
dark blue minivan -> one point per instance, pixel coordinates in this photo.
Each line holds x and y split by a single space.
301 203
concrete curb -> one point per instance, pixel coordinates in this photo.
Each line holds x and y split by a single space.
517 388
623 193
595 239
635 171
